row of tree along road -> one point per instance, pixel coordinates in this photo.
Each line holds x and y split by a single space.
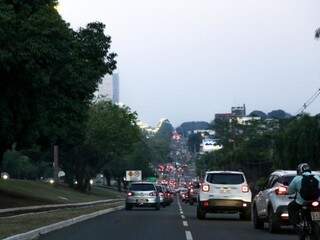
49 74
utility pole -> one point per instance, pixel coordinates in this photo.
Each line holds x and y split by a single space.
55 162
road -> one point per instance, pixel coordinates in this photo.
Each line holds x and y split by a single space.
170 223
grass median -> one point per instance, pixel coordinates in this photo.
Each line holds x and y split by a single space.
18 193
19 224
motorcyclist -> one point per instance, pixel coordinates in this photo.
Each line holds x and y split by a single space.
294 188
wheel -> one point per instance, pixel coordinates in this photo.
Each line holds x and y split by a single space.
201 214
128 207
273 221
315 231
245 215
257 222
163 205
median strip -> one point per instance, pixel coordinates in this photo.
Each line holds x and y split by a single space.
30 226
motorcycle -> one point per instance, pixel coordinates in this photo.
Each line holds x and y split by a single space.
309 227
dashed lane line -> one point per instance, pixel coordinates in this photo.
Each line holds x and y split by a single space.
185 223
183 217
189 235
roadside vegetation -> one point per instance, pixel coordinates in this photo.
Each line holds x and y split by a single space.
49 73
264 146
20 193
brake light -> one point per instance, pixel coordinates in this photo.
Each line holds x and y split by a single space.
315 204
205 188
282 190
206 204
245 189
130 194
153 194
161 194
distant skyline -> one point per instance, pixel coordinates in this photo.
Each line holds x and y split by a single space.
187 60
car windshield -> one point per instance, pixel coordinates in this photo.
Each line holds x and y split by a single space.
225 178
142 187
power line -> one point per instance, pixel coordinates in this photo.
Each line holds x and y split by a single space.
308 102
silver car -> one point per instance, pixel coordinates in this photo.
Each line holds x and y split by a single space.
271 203
142 194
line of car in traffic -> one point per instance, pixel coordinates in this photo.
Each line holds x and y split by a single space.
224 192
229 192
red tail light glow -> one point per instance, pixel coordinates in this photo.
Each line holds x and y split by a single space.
206 204
130 194
245 189
315 204
205 188
282 190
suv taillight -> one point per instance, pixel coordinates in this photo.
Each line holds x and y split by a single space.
130 194
205 188
281 190
245 189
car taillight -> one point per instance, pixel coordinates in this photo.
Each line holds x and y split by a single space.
153 194
191 190
161 194
130 194
245 189
205 188
315 204
282 190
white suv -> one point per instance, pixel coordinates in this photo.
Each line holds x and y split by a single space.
271 203
224 192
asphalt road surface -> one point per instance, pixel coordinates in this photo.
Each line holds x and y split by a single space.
177 222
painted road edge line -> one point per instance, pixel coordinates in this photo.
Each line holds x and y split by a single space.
46 229
189 235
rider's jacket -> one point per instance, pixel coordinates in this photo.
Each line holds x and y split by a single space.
295 186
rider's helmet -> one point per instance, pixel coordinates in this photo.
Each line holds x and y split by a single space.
302 168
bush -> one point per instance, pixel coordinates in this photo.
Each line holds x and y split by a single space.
18 165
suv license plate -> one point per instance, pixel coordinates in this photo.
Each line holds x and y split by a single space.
315 216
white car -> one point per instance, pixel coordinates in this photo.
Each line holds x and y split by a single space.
271 203
224 192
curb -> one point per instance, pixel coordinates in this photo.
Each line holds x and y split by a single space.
55 226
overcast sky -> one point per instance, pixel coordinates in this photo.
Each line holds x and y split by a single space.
187 60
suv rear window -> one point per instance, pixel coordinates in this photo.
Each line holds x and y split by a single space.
142 187
159 189
225 178
286 180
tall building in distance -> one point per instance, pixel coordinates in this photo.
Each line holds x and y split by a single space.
115 88
110 88
239 111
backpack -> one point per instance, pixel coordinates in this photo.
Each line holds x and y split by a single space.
309 188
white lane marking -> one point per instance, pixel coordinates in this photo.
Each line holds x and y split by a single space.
185 223
183 217
189 235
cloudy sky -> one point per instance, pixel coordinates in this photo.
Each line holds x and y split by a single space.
187 60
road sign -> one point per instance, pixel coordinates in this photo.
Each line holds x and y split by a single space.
133 175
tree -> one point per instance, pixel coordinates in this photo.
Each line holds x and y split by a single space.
48 72
111 132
